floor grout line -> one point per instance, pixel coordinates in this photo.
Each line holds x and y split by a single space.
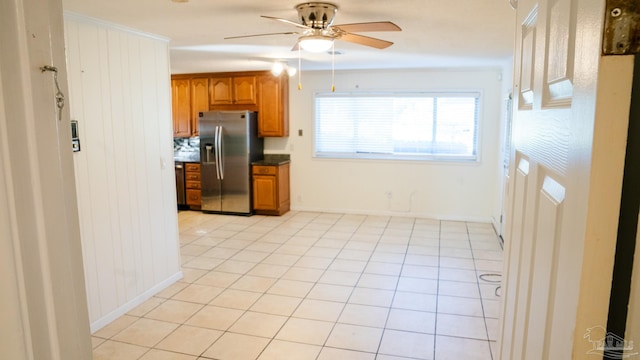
351 293
435 330
395 291
361 246
486 327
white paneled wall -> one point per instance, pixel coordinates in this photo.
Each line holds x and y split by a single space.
120 95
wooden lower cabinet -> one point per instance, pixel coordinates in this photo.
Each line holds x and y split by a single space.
194 198
271 189
265 193
192 184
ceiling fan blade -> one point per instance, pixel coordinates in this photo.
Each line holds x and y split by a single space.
369 26
286 21
255 35
367 41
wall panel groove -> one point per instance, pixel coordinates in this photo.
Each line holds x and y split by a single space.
120 95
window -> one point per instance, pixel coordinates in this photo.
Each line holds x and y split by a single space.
421 126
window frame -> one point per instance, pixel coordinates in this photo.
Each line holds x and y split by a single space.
432 158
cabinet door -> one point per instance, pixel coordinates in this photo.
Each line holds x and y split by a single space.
264 192
194 197
284 197
181 107
199 101
244 90
273 106
221 91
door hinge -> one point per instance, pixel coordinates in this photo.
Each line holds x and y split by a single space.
621 27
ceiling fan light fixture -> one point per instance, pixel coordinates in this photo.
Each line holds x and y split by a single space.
277 68
315 43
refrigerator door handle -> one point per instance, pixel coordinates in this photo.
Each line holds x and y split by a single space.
216 143
220 153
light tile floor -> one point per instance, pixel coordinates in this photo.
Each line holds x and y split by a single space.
319 286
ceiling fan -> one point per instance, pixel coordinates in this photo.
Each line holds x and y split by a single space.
318 32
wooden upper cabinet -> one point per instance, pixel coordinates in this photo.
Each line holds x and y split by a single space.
199 100
233 90
221 91
244 90
181 107
273 106
250 90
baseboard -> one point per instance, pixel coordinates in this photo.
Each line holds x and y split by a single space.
444 217
131 304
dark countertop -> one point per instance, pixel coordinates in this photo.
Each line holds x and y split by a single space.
268 160
273 160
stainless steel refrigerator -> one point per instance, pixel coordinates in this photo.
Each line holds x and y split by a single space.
229 142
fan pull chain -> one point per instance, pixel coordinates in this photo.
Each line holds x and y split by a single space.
59 94
333 65
299 70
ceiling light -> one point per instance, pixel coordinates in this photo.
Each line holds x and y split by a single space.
277 68
315 43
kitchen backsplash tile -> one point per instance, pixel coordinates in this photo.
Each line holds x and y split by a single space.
191 144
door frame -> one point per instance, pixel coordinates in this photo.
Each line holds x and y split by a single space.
38 189
627 224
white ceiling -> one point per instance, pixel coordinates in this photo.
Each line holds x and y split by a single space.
435 33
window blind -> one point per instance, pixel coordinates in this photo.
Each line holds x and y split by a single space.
429 126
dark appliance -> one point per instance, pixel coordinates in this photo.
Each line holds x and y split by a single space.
180 190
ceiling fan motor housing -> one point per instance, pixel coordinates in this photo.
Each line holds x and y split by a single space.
317 15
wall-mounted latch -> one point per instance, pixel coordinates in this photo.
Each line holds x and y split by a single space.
621 27
59 94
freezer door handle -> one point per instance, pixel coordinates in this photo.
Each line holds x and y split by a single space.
220 153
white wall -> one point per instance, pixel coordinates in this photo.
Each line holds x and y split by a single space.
431 189
120 96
